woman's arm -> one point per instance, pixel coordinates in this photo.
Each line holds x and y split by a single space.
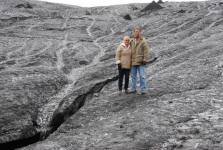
118 55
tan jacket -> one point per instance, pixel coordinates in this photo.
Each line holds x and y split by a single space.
123 54
140 51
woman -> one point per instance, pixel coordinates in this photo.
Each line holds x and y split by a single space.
123 60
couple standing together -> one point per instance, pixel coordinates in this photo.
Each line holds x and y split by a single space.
132 55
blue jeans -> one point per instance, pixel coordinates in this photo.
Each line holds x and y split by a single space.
122 73
142 75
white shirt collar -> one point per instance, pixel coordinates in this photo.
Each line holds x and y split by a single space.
123 44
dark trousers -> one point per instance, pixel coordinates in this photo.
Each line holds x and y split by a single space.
122 73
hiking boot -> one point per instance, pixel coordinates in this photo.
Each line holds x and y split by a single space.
126 91
119 92
132 91
143 92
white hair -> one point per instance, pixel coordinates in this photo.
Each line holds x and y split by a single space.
126 37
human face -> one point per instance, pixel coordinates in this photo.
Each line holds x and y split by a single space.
137 33
126 41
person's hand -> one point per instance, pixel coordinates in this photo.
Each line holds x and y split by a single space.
117 62
119 67
143 63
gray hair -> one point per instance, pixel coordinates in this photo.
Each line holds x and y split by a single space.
137 28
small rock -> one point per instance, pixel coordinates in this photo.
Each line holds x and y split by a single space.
26 5
160 2
195 131
152 6
134 8
2 58
88 13
2 67
83 62
11 62
182 11
96 94
127 17
183 138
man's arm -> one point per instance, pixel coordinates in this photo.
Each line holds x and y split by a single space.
145 51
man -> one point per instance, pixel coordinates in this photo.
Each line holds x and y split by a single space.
140 54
